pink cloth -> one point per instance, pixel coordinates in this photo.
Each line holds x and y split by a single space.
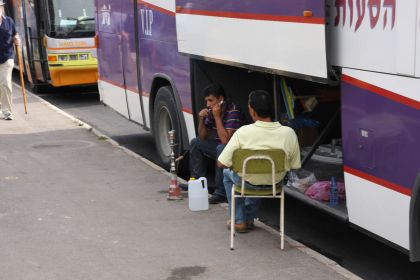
321 191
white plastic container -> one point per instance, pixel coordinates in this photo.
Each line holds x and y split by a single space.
198 194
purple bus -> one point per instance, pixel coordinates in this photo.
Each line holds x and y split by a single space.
344 74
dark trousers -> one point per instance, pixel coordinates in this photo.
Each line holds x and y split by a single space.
200 151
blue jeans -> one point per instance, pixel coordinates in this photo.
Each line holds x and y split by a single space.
246 208
200 150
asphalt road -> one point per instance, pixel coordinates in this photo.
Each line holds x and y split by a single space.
364 256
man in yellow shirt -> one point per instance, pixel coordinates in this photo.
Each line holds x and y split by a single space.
264 133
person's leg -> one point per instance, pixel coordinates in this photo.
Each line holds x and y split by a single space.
6 87
230 178
199 151
218 176
251 208
3 84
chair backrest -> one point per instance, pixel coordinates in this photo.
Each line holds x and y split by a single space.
259 166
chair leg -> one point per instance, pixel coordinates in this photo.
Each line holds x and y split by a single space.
232 218
282 220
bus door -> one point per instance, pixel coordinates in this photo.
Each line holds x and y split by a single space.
34 53
287 37
110 54
18 12
130 56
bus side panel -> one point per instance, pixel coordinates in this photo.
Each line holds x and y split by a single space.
273 34
380 126
159 55
111 82
373 35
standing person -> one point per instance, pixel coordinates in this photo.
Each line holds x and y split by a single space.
217 123
263 134
8 38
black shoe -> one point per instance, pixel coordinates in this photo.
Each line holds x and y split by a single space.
211 189
183 187
216 199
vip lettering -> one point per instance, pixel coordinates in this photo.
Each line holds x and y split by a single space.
359 10
106 15
146 21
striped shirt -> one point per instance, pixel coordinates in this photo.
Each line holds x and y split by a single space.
232 119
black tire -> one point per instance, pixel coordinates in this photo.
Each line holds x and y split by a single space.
166 118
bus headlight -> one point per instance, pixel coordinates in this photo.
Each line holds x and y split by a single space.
83 56
63 58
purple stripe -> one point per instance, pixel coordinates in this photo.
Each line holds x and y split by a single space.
268 7
391 151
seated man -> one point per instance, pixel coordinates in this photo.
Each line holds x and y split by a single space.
217 123
263 134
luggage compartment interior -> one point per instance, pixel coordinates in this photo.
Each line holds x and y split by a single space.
311 109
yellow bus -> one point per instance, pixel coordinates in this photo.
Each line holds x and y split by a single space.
58 41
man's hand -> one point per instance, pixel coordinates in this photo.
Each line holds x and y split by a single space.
202 129
203 113
16 40
217 110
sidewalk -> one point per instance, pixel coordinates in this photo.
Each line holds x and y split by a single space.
75 206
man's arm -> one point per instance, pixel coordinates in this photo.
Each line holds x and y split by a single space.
16 37
223 133
203 133
225 158
295 162
220 165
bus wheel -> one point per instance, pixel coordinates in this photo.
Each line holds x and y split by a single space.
165 118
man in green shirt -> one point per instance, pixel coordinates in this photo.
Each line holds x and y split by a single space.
264 133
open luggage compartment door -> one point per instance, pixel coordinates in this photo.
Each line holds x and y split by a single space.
270 35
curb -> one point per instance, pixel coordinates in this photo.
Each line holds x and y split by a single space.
313 254
293 243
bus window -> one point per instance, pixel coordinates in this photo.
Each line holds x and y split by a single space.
71 18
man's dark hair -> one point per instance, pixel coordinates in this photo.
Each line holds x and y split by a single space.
214 89
262 103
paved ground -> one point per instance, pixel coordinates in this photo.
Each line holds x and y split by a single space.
73 206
